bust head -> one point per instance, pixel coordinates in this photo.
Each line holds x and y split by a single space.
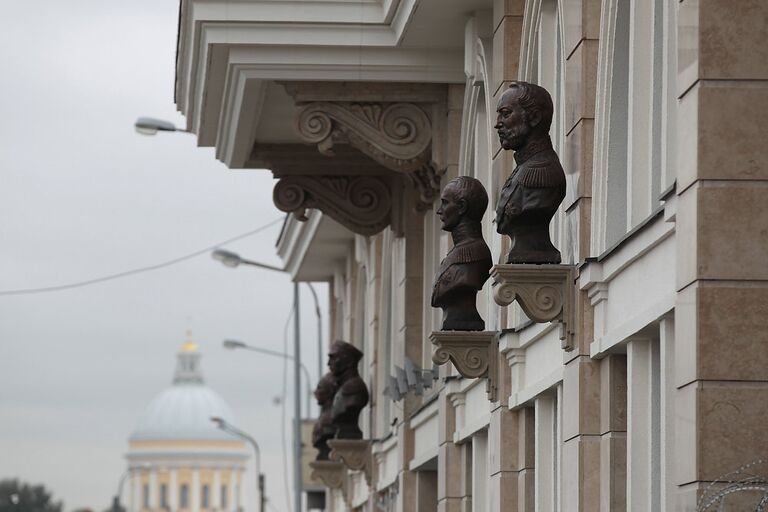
462 198
343 357
524 112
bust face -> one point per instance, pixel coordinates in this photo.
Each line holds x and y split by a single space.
451 208
339 362
511 122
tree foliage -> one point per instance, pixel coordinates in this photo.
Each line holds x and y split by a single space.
16 496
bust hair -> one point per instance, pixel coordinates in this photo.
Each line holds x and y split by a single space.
343 348
473 192
534 98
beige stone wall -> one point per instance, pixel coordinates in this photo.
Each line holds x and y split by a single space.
721 373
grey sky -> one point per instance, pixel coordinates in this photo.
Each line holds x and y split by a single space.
81 196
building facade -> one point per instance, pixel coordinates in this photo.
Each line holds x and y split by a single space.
363 109
178 461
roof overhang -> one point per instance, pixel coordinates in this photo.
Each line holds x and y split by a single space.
312 249
231 56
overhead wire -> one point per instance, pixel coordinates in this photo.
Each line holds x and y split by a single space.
139 270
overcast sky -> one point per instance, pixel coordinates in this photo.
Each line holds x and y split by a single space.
81 196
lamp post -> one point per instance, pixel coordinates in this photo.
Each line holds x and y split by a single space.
116 499
236 344
222 424
233 260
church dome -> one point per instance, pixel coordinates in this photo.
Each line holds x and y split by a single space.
184 410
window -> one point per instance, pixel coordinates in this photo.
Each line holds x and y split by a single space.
145 495
205 497
223 500
184 496
163 496
635 122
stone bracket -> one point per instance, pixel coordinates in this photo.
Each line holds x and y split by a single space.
363 204
396 135
475 354
331 473
355 454
546 293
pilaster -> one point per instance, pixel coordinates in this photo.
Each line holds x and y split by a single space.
449 456
722 280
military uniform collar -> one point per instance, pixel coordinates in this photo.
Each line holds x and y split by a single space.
533 147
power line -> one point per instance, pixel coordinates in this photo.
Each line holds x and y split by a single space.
149 268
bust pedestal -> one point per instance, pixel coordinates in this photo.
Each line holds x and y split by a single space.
546 293
355 454
473 353
331 473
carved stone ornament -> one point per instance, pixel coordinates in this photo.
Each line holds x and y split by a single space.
474 354
363 204
355 454
331 473
546 293
396 135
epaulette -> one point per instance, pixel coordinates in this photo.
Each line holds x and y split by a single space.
468 253
541 177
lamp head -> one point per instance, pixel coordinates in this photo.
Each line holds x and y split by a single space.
150 126
228 258
233 344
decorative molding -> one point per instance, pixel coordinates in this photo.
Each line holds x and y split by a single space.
475 355
396 135
363 204
331 473
426 181
355 454
546 293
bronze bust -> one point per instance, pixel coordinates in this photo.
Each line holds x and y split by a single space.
465 268
533 192
352 394
324 429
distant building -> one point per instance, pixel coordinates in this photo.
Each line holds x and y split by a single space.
179 460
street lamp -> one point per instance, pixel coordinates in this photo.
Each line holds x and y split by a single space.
222 424
150 126
116 507
233 260
235 344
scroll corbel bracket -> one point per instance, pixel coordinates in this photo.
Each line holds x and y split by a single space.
475 354
546 293
355 454
363 204
331 473
396 135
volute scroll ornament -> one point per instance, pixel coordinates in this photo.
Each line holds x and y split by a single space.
475 354
331 473
397 135
362 204
545 293
355 454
